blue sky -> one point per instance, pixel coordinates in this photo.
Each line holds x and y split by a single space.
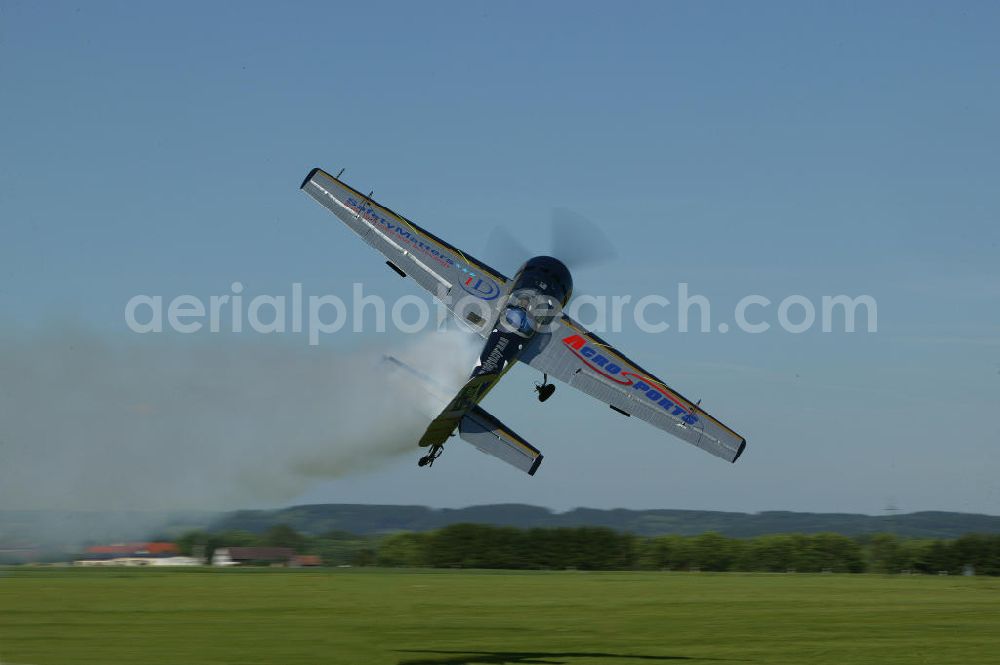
772 148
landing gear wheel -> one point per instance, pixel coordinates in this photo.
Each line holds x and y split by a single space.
544 390
428 459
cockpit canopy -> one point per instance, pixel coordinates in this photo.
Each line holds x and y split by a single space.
518 318
529 311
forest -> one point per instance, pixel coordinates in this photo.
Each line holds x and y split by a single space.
599 548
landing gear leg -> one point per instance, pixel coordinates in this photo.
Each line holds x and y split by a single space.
428 459
545 389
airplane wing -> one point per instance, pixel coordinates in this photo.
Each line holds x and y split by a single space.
585 361
449 274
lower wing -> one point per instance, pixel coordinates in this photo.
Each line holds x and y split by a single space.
583 360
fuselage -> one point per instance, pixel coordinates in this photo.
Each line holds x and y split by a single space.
538 292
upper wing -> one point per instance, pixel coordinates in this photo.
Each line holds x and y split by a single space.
448 273
585 361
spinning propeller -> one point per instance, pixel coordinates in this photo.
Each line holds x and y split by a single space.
573 239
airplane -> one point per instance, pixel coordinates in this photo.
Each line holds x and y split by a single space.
520 320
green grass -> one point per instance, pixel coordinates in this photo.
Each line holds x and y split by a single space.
66 616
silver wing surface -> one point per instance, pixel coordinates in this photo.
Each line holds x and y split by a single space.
468 287
585 361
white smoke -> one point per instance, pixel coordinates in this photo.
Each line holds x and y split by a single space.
173 423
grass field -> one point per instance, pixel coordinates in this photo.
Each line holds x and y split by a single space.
285 617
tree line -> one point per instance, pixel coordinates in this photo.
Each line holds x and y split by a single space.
598 548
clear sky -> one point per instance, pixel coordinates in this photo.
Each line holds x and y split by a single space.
772 148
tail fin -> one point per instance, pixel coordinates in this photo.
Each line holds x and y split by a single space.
492 437
475 425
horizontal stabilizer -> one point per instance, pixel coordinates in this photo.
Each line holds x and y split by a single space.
494 438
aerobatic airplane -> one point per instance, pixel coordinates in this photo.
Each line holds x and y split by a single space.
520 319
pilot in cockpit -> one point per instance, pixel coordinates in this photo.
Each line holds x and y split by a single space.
518 319
526 313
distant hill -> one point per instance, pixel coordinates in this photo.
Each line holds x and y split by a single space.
373 519
32 528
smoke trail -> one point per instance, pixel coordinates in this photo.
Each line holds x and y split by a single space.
171 424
